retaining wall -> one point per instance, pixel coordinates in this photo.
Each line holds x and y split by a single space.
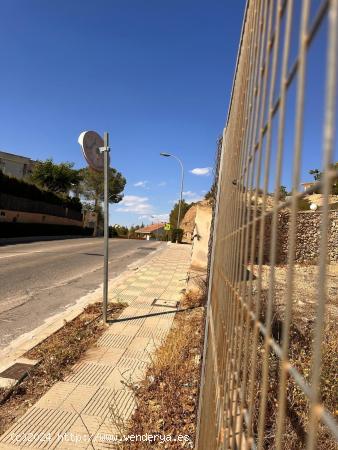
308 234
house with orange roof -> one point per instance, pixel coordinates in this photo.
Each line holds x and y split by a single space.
155 230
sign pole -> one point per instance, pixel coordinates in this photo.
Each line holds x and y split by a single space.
96 152
106 151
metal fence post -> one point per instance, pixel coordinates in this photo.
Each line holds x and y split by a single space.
106 226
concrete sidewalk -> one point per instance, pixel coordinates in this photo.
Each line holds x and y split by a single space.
93 399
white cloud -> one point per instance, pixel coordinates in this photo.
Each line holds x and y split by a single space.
160 217
188 194
191 197
155 217
135 204
163 183
142 184
201 171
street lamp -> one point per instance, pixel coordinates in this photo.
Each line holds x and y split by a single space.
182 177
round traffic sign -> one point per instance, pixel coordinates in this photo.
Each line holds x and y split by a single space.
91 142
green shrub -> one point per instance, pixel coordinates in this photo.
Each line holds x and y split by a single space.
177 235
113 232
22 189
303 204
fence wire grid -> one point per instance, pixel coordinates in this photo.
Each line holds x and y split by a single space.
263 370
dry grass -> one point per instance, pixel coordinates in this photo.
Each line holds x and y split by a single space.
167 398
300 356
305 291
57 354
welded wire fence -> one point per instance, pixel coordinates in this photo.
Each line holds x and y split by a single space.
269 369
213 198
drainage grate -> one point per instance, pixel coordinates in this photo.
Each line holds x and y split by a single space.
148 249
166 302
16 371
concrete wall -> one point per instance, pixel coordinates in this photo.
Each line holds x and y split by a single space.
27 217
199 257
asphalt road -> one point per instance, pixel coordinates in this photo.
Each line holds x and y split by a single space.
40 279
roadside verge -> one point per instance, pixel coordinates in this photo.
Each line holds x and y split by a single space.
51 361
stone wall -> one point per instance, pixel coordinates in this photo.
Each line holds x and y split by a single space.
307 240
333 237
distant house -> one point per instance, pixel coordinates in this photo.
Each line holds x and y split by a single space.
155 229
308 185
15 165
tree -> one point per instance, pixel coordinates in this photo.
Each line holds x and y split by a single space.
283 192
57 178
113 232
174 212
122 230
317 175
131 232
92 187
25 189
211 195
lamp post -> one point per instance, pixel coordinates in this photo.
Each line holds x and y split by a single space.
167 155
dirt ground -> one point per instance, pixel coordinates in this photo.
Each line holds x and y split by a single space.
304 305
305 290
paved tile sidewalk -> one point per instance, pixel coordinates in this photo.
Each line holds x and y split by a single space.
93 399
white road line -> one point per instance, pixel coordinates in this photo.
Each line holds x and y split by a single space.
11 255
44 250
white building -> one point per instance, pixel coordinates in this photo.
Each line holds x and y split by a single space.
15 165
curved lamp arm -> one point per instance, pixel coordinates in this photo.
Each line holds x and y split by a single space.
182 180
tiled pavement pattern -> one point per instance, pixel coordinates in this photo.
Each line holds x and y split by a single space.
93 399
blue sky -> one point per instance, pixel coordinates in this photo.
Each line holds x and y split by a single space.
156 74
